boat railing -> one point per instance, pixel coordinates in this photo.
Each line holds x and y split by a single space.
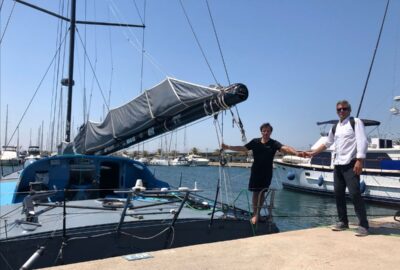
243 192
267 196
9 169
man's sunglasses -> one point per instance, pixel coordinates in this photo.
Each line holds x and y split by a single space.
342 109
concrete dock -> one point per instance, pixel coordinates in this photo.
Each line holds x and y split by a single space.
317 248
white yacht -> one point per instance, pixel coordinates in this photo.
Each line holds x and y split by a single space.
179 161
196 160
379 179
33 155
143 160
159 161
9 156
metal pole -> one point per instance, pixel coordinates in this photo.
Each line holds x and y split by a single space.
70 70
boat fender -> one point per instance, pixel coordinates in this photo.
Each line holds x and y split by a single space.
320 180
363 186
291 176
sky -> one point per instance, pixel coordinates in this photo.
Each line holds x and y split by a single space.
297 58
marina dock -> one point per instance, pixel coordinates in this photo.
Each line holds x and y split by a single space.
316 248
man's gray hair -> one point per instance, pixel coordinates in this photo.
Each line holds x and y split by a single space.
344 102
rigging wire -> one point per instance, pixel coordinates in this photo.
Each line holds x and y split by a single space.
1 27
137 45
373 58
56 73
36 91
238 122
84 69
112 65
8 20
143 35
198 43
219 44
61 121
93 71
95 64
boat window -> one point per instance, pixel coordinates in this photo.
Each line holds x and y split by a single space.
140 167
82 181
373 160
323 159
42 177
82 177
109 178
55 162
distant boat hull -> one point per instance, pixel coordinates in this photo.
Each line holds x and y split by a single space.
9 162
159 162
380 187
179 161
199 163
196 160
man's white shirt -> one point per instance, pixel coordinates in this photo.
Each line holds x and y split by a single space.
348 143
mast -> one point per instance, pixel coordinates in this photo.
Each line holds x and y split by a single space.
6 131
70 80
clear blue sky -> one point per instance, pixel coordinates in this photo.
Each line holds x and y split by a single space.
297 57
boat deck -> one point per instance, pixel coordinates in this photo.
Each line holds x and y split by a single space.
317 248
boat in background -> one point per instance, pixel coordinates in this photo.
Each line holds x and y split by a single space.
179 161
196 160
9 156
379 179
159 161
33 155
34 152
143 160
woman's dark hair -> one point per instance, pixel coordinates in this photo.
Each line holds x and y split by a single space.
266 125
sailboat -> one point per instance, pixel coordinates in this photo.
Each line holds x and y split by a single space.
85 205
8 153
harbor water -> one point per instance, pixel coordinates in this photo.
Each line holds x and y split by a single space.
292 210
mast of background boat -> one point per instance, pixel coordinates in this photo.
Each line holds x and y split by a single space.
5 135
373 58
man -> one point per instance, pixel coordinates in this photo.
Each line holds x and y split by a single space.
264 150
349 153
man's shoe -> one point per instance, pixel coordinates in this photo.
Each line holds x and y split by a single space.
340 226
361 231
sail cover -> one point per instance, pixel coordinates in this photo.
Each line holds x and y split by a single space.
168 105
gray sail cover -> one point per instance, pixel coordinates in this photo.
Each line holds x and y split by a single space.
153 106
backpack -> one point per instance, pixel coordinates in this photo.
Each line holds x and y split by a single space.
352 123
